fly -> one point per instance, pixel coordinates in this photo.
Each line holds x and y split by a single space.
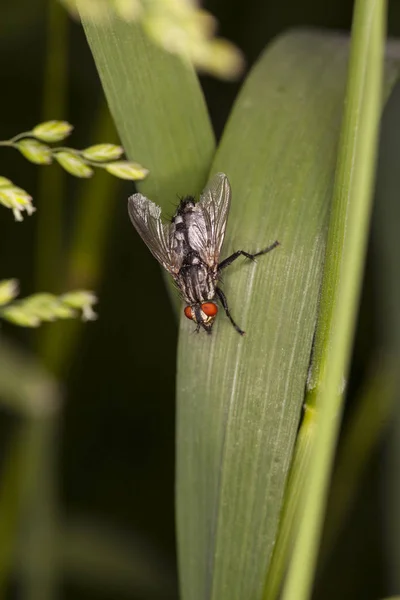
189 247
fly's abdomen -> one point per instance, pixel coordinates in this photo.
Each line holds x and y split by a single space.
196 283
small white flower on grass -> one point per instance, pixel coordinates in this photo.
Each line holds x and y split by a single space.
17 199
83 301
9 289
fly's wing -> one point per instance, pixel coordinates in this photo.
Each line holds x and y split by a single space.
146 218
207 229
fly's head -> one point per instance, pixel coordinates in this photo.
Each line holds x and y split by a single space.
202 313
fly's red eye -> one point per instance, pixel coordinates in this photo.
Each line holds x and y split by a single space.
209 308
188 312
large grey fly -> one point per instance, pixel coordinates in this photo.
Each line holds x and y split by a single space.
189 247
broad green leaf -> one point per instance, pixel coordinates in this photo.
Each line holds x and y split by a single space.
367 424
240 399
182 28
346 250
158 108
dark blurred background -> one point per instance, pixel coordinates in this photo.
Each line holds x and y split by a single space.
116 441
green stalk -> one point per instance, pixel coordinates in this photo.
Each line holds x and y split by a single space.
366 427
374 411
12 477
39 572
26 485
345 254
290 516
92 222
51 179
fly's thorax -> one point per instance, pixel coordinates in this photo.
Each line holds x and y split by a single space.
186 205
190 219
179 241
182 222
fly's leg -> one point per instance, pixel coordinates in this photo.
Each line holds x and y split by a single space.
224 303
228 261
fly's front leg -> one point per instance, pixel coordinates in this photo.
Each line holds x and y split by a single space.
228 261
224 303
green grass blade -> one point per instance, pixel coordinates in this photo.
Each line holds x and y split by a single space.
11 492
123 564
386 242
158 108
51 180
355 444
83 264
348 234
26 479
38 570
376 407
290 513
239 399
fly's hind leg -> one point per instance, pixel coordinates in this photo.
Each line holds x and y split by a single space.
224 303
228 261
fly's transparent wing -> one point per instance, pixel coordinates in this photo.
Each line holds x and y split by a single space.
207 228
146 218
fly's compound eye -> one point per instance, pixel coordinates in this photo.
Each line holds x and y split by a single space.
188 312
209 308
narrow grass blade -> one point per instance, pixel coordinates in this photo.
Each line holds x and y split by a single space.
348 233
97 556
386 242
26 389
240 399
26 479
289 518
51 182
158 108
11 493
347 467
365 431
38 570
83 264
